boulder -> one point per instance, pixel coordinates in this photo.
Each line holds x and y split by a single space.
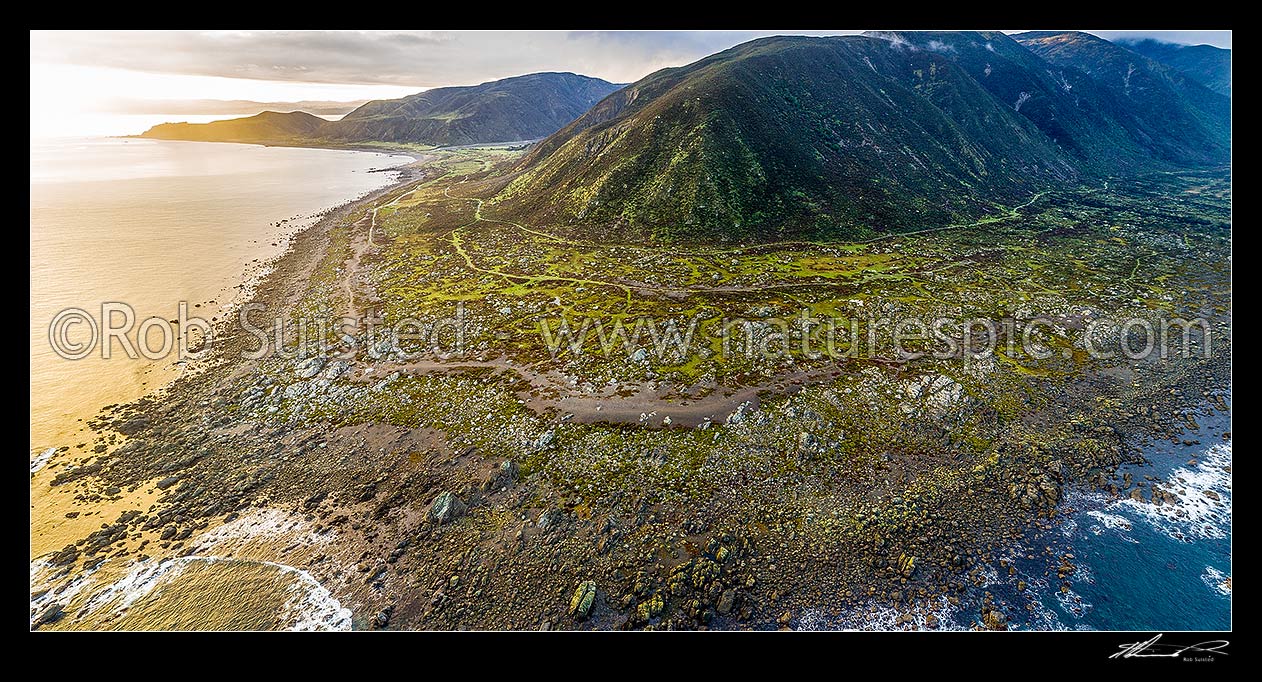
51 614
446 507
651 608
309 367
584 597
503 475
726 601
994 619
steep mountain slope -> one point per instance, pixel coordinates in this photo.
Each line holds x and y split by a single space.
1208 65
823 137
267 127
522 108
1068 107
1172 115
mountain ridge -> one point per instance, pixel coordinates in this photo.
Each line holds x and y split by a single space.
1208 65
853 136
524 107
1174 116
788 137
268 126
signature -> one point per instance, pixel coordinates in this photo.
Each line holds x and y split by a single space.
1154 649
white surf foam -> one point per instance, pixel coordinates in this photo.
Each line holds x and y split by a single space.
41 459
1072 603
260 525
1195 515
1217 581
313 607
874 616
53 587
310 606
1110 521
140 580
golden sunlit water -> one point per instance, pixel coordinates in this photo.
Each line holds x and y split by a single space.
150 224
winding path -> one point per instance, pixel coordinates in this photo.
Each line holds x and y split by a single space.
549 390
627 288
458 245
361 246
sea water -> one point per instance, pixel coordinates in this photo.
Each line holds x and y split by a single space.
152 223
149 224
1136 565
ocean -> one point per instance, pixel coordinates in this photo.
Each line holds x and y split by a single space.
1137 565
153 223
149 224
1132 565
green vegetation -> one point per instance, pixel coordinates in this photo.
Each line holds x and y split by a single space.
1179 119
521 108
1208 65
869 476
848 138
679 365
1061 252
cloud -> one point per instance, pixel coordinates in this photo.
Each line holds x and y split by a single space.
417 59
414 58
242 107
1216 38
307 56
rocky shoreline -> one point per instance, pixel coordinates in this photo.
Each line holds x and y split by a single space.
443 502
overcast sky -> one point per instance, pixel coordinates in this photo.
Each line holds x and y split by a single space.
103 82
417 59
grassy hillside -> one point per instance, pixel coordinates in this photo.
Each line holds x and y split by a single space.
792 137
522 108
1208 65
1169 114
